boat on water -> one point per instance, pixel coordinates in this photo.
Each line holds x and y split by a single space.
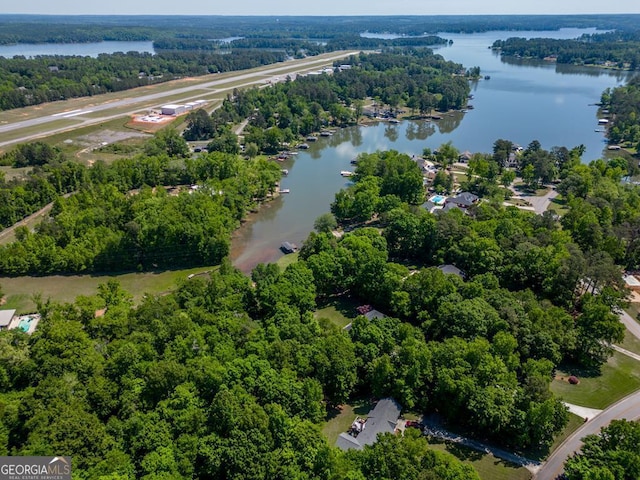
436 117
346 173
325 134
394 120
285 190
285 172
311 138
303 146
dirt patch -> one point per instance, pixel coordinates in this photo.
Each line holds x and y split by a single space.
103 137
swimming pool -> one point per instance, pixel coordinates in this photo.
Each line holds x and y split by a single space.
438 199
25 324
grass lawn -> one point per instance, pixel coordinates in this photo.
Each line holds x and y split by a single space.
630 343
286 260
487 466
19 291
341 419
339 310
619 377
559 205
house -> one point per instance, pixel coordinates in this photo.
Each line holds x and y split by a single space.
465 156
463 200
382 419
451 270
5 318
373 314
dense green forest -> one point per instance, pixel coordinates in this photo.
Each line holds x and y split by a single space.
231 377
411 77
82 28
619 49
108 226
217 380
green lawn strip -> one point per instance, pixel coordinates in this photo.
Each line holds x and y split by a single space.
339 420
559 205
286 260
19 291
35 129
619 377
10 173
338 310
630 343
487 466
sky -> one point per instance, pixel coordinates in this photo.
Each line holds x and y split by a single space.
319 7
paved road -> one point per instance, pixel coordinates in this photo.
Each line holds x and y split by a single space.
252 78
633 326
627 408
539 204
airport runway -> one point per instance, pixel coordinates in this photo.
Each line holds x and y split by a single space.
254 77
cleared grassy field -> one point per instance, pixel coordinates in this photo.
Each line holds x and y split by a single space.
19 291
338 310
35 129
618 377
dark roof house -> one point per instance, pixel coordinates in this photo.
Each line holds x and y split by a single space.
463 200
382 419
451 270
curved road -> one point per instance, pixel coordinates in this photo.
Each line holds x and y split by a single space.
627 408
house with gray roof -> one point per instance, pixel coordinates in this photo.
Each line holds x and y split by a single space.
463 200
5 318
382 419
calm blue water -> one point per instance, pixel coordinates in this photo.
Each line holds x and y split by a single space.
82 49
523 101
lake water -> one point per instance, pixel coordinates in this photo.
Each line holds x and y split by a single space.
522 101
83 49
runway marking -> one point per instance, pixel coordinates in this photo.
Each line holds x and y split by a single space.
65 113
79 112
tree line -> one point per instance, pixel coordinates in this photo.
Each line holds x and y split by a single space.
287 110
623 103
619 49
121 218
